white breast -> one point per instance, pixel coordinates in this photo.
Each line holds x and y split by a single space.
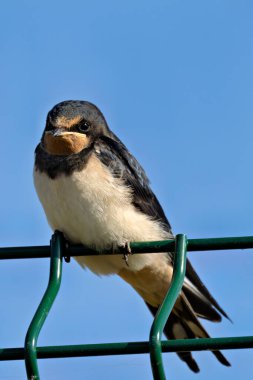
91 207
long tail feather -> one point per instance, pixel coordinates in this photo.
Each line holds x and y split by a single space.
182 324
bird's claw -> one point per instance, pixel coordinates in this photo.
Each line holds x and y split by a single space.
66 257
127 252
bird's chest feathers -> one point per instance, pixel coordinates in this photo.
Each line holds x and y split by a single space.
94 208
84 205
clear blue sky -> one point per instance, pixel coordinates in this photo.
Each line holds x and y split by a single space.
174 80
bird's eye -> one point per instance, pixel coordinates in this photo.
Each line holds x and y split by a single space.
84 126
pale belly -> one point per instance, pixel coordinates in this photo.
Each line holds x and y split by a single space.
93 208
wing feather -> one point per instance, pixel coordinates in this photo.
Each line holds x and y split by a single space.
114 154
123 165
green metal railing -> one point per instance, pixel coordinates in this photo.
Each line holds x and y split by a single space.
59 249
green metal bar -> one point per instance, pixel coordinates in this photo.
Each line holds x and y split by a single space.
58 245
242 242
35 252
208 244
129 348
44 307
166 307
216 244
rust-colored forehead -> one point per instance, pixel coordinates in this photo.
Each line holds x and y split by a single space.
64 122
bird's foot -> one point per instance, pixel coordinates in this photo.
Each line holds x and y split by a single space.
127 251
66 257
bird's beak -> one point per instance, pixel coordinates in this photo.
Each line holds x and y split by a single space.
58 132
61 142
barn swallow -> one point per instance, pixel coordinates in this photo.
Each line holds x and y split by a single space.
97 194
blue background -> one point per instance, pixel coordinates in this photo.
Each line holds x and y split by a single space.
174 81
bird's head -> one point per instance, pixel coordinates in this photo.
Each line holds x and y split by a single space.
72 126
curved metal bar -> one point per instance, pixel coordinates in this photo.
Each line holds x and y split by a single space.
166 308
44 307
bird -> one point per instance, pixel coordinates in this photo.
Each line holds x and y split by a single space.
97 194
